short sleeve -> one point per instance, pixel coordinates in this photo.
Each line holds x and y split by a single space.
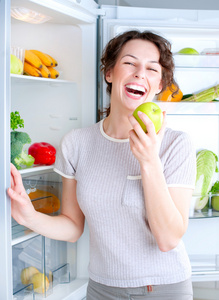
64 164
180 161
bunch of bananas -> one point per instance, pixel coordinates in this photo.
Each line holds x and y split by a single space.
40 64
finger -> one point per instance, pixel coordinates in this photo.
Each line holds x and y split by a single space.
148 123
23 197
137 128
133 138
163 127
17 179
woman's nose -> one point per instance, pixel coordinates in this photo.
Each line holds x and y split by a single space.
139 73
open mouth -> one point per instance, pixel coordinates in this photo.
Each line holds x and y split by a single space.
135 90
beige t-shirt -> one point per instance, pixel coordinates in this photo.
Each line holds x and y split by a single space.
123 251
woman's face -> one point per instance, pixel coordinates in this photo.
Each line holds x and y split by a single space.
136 76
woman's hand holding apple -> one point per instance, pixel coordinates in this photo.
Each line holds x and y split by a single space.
145 146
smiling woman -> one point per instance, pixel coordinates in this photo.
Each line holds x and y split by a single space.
133 188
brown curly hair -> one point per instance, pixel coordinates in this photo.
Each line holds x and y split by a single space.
114 47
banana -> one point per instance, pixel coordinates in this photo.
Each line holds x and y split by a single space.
31 70
55 63
45 59
33 59
45 72
54 72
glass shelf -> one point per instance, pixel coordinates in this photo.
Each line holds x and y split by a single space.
205 213
21 233
36 170
204 267
38 80
189 108
196 61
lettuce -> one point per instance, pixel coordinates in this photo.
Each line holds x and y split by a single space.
206 167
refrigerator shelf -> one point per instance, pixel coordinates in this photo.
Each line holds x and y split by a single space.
22 236
206 290
205 213
76 290
204 267
190 108
39 80
196 61
36 170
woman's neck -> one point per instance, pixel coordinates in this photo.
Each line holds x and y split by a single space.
117 126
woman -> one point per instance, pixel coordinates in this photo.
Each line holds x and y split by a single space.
134 189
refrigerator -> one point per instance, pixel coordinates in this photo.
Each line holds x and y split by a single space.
75 32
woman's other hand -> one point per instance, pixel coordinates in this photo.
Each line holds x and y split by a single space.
22 209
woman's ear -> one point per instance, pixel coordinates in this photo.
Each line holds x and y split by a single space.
160 88
109 76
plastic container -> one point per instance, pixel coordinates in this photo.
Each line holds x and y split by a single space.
210 51
19 53
198 202
39 264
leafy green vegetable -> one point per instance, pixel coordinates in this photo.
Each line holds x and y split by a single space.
206 167
215 188
16 120
19 157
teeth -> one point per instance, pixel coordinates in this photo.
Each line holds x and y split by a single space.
136 87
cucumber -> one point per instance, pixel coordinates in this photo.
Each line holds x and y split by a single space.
186 96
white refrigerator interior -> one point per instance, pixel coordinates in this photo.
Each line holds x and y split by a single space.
52 107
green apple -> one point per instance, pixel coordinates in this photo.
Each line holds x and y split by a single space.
16 65
153 111
215 202
190 51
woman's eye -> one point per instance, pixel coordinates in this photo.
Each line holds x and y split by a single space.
129 63
151 69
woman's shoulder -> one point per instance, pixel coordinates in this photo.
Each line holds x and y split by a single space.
178 138
172 134
85 133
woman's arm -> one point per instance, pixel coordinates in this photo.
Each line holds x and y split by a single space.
167 208
68 226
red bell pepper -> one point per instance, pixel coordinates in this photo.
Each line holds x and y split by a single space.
44 153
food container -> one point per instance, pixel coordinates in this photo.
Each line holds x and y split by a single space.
214 201
198 202
210 51
19 53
